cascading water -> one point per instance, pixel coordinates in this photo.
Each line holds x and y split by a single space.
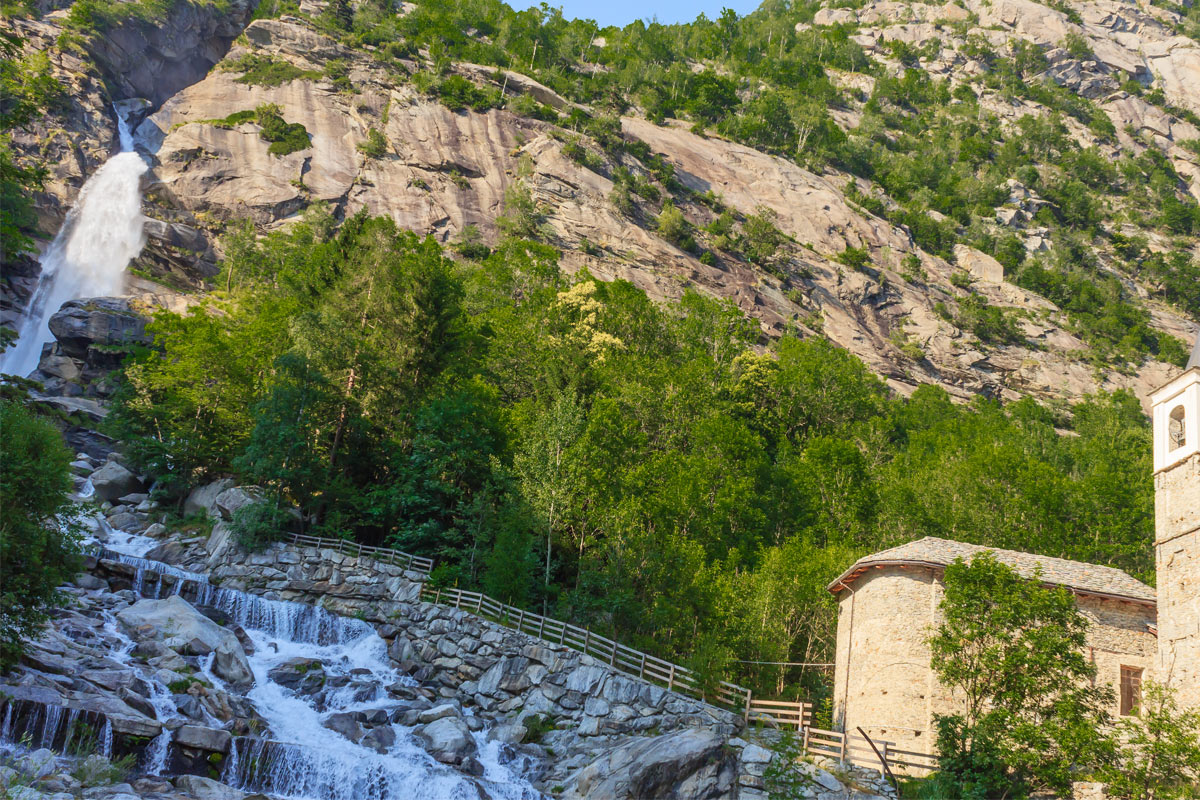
303 759
98 239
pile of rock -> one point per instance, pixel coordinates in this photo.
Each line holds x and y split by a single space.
45 775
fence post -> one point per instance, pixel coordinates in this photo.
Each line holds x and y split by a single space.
479 605
612 662
804 742
671 679
845 745
541 627
642 671
587 640
747 715
520 618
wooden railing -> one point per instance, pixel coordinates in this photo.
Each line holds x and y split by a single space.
782 713
385 554
854 749
616 655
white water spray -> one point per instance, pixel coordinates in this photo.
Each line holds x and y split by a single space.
98 239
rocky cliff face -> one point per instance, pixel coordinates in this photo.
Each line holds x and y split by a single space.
442 171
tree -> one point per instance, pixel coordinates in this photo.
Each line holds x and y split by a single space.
38 531
1012 651
548 466
1160 753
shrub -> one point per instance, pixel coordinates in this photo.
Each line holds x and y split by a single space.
260 70
258 524
673 227
854 257
285 137
376 145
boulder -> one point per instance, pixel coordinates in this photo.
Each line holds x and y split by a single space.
206 788
438 712
346 725
105 321
202 738
301 675
693 764
379 739
177 623
230 500
113 480
448 740
203 499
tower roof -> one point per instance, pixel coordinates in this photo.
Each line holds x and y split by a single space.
1078 576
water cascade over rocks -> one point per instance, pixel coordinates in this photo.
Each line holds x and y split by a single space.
322 684
101 235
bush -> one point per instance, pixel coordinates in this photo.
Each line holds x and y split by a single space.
39 542
260 70
258 524
854 257
285 137
673 227
376 145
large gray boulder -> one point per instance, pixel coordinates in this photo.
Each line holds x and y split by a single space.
448 740
105 321
206 788
113 481
230 500
178 624
203 499
693 764
202 738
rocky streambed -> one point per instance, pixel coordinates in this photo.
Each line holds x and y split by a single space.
151 681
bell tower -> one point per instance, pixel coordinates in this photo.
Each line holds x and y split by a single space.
1176 409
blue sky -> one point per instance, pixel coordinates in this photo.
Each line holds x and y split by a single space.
622 12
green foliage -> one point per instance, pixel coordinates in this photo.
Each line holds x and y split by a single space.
285 137
376 145
256 525
38 529
573 446
265 70
1159 751
854 257
784 779
1015 652
27 91
675 228
457 93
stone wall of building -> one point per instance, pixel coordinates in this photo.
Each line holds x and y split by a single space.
883 682
1120 636
883 679
1177 534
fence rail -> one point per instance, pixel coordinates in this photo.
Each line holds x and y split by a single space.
385 554
621 658
853 749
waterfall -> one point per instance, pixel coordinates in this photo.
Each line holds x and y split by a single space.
297 757
98 239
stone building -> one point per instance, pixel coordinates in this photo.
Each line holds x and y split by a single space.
889 605
889 601
1176 409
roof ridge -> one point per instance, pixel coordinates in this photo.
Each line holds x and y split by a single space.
1081 576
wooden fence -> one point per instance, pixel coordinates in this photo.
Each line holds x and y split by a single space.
623 659
852 748
385 554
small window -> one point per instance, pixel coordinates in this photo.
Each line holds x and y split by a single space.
1131 690
1176 431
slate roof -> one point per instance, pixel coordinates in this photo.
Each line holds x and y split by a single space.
1075 575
